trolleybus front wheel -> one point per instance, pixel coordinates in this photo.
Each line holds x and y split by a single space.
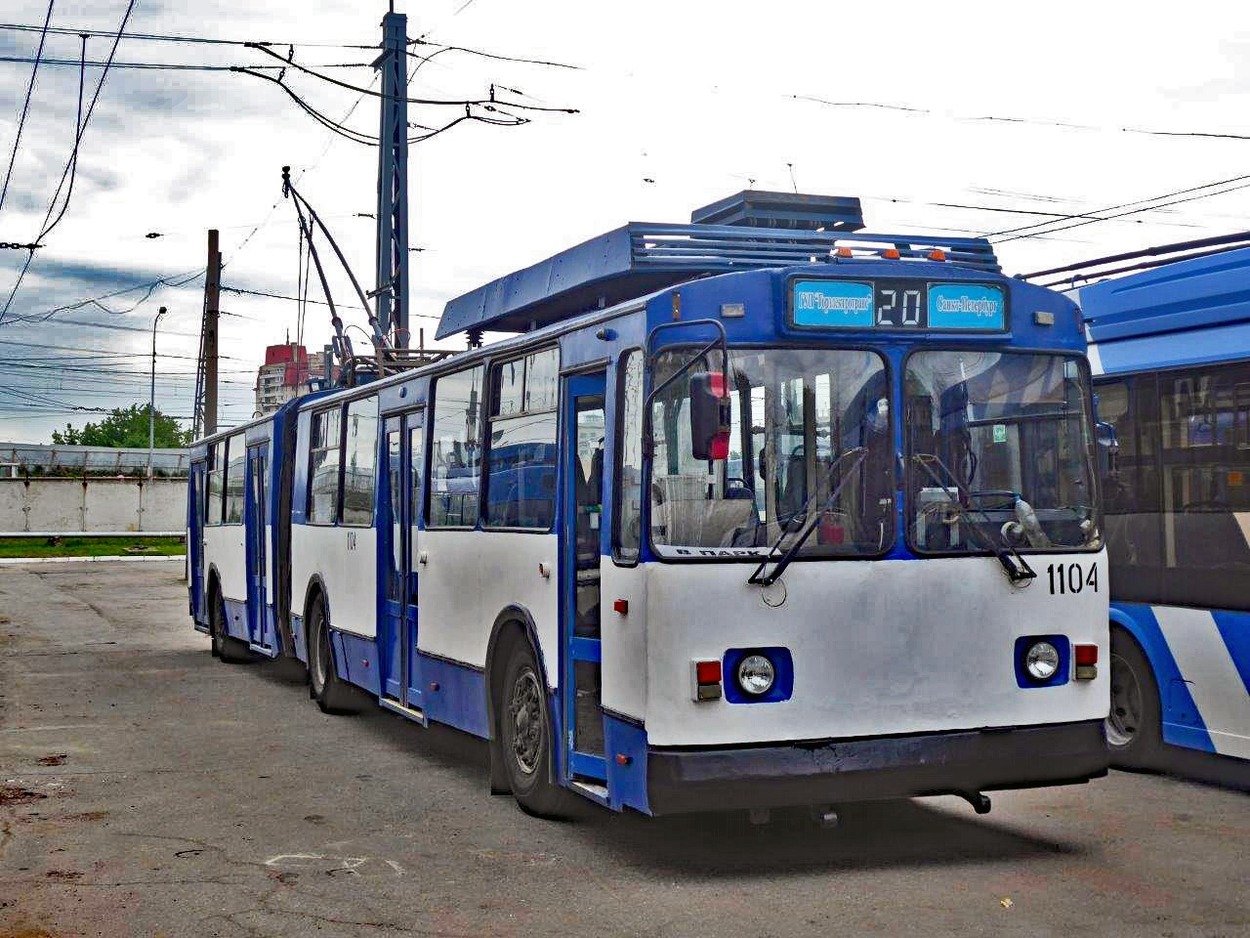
525 738
1134 732
324 685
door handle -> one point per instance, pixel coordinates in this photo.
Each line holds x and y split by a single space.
423 557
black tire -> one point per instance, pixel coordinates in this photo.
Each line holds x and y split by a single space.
1134 725
222 645
324 686
523 719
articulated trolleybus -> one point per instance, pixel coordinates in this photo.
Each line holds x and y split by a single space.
1172 372
757 511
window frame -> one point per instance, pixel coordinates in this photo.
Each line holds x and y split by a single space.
343 422
488 448
212 469
225 491
618 464
312 468
432 409
881 351
1091 459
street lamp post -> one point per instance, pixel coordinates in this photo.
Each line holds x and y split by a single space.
152 395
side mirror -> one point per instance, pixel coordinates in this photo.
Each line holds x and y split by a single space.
710 415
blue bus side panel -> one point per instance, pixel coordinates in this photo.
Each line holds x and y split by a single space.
236 619
270 641
357 660
1182 723
301 640
627 784
454 694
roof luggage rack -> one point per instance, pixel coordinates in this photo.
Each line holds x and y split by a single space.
766 229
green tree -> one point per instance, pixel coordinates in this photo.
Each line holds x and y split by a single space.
125 427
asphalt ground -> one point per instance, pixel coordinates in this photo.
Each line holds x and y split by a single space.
148 789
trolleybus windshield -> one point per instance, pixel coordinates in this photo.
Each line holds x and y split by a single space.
796 412
1003 442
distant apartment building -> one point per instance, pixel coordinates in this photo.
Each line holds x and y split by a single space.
285 374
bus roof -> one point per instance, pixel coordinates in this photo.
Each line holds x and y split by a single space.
766 230
1136 320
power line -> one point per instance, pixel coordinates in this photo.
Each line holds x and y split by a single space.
72 162
1023 231
171 66
420 41
30 88
428 101
296 299
162 37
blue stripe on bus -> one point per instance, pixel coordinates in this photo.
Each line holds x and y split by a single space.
357 660
236 618
1234 628
300 640
625 745
1182 722
460 697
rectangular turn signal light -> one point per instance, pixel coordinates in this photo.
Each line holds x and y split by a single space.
707 676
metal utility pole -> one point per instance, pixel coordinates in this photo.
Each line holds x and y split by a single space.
152 395
208 332
392 285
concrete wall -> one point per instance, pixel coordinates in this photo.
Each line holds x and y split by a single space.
94 504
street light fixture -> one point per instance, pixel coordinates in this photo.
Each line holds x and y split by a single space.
152 395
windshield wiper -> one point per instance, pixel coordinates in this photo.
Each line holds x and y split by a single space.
810 519
1014 565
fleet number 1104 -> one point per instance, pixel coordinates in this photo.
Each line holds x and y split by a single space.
1071 578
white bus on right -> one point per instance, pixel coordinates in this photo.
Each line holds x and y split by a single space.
1170 354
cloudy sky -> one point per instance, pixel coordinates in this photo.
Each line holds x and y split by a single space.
957 118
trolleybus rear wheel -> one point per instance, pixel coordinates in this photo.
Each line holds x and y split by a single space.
525 737
324 685
1134 732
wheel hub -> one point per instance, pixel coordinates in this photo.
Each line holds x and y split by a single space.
526 722
1125 718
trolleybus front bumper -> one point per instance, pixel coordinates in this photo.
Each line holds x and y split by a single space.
842 771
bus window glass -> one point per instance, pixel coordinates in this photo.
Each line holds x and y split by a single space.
235 470
629 502
521 461
395 479
510 388
542 380
359 469
1205 460
324 458
216 483
456 450
998 445
816 424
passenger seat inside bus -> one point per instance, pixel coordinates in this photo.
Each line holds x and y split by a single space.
690 519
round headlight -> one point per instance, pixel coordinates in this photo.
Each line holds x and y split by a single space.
756 675
1042 661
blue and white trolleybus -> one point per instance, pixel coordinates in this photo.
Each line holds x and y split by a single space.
755 511
1170 348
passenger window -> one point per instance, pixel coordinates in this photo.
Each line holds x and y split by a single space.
359 471
521 463
216 483
629 504
456 450
237 454
324 458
